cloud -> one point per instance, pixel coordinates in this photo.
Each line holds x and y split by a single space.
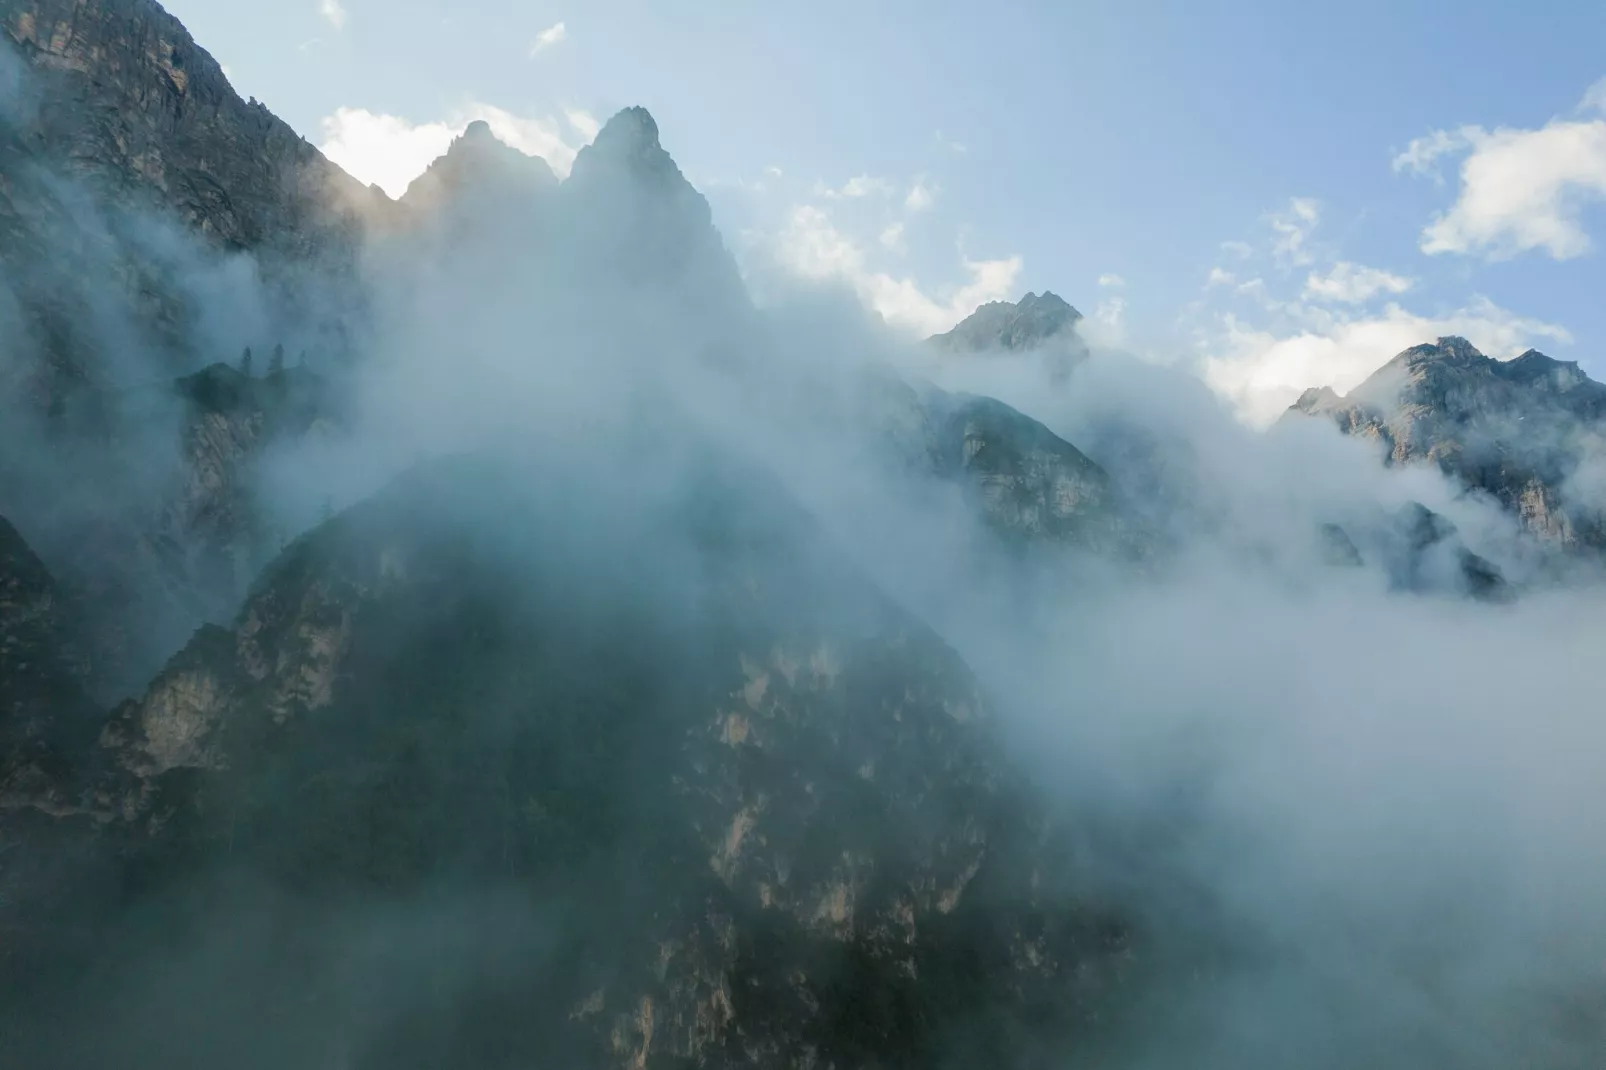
892 237
1523 190
855 188
1261 371
1219 276
1594 97
773 172
812 247
1292 227
1240 249
1422 155
390 151
548 37
921 196
1520 190
958 148
1354 283
1111 281
583 123
333 12
1111 313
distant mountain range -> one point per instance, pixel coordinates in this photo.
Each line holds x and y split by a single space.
663 775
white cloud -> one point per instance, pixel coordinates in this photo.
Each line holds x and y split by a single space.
1240 249
772 171
856 187
1292 227
333 12
1262 370
1422 155
1520 190
1595 97
1354 283
583 123
958 148
1111 281
389 151
1219 276
1111 312
811 246
892 237
548 37
921 196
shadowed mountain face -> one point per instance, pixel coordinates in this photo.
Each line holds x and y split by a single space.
1530 432
127 156
608 733
727 803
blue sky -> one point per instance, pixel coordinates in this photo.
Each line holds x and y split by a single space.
1281 194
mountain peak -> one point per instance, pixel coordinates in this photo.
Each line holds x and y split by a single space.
1032 322
632 127
628 142
479 162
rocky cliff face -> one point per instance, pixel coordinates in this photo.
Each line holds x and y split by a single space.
761 805
1027 481
1530 432
45 712
126 154
124 98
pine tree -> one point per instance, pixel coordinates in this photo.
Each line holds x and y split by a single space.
245 362
276 361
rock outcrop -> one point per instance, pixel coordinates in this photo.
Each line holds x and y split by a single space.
1529 432
1027 482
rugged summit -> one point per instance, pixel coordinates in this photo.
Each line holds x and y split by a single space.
478 165
133 174
1530 432
127 101
1033 322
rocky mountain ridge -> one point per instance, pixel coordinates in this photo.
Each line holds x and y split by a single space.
1529 432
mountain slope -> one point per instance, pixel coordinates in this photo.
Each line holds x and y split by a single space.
1530 432
133 171
761 805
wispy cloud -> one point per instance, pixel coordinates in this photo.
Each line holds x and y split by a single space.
333 12
582 122
548 37
855 188
1111 281
389 151
1292 227
812 246
1354 284
922 196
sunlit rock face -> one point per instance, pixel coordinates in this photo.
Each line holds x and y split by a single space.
754 810
1531 432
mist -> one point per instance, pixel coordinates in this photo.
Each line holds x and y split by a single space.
1349 822
1354 822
